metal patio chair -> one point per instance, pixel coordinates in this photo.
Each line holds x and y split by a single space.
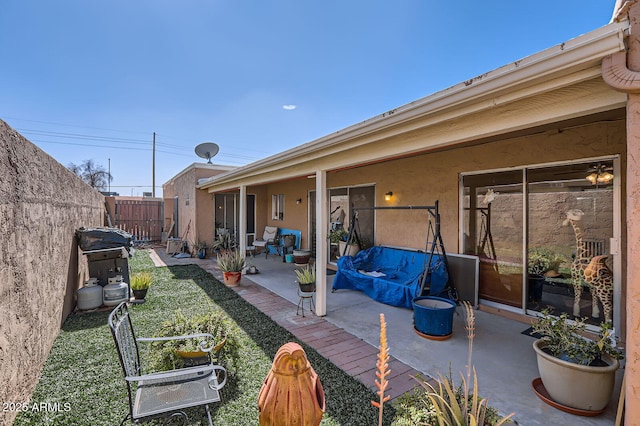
166 393
269 238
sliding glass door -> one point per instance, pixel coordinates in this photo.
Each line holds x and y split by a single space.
537 230
494 232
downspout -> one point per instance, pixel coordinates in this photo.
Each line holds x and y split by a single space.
616 74
622 72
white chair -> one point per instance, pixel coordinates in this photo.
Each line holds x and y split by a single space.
269 238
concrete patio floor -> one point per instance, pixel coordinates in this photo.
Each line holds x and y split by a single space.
349 336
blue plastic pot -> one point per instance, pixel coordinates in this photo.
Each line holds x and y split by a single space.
433 316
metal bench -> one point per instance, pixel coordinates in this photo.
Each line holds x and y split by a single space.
166 393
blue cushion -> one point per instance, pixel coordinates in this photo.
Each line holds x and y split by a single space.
389 275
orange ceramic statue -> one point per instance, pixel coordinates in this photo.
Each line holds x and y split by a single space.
291 394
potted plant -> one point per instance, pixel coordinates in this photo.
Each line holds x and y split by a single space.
140 283
251 268
223 349
306 279
201 249
577 372
539 262
223 243
341 237
231 263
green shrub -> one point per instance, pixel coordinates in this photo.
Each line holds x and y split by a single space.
165 353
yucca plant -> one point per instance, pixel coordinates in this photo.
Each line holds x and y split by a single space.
231 261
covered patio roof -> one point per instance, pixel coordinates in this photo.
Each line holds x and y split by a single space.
559 84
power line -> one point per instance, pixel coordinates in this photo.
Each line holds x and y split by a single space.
90 137
241 157
73 125
79 136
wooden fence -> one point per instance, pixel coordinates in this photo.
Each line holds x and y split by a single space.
143 219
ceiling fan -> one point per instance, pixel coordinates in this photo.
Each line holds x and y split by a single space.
600 173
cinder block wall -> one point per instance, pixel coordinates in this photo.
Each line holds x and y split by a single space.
41 206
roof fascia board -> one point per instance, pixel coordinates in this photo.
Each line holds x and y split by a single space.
197 165
564 59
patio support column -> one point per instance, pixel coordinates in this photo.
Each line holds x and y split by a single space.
322 225
242 219
632 399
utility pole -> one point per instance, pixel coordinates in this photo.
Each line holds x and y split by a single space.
153 167
109 177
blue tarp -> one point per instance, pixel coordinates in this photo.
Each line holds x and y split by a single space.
389 275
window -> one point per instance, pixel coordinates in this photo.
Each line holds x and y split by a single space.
277 206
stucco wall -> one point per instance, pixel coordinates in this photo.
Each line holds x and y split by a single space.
295 215
41 206
195 206
422 179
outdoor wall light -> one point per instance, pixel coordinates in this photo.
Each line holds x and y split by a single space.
299 201
388 196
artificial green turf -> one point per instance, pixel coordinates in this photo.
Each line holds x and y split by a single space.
82 380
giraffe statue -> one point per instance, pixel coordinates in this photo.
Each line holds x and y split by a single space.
600 279
580 263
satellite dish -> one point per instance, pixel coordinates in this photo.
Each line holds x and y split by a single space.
207 150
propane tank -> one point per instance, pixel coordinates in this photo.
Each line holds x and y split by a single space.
115 292
90 295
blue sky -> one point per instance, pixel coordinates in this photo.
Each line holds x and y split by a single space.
95 79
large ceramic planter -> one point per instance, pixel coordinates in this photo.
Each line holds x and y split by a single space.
232 279
433 317
352 249
577 386
301 257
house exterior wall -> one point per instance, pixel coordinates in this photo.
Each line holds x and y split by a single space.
295 215
41 206
195 206
422 179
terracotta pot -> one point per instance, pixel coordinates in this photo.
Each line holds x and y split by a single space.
291 393
573 385
232 279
